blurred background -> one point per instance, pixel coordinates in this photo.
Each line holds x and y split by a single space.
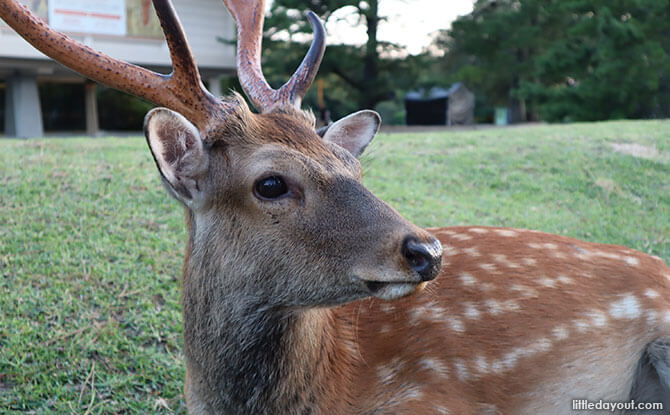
419 62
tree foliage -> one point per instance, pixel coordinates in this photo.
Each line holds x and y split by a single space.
564 60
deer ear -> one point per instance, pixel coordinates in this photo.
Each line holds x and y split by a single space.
178 151
354 132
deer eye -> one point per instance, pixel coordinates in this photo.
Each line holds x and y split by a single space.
272 187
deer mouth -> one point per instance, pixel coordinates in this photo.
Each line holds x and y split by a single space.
391 290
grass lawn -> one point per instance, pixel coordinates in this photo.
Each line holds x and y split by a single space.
91 245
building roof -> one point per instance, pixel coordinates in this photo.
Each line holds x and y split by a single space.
433 93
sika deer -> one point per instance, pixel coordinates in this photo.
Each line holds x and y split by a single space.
290 263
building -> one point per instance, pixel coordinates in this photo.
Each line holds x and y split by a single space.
453 106
124 29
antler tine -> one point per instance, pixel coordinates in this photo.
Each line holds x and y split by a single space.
296 87
249 17
185 82
182 92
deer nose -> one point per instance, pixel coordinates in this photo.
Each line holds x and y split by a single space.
424 258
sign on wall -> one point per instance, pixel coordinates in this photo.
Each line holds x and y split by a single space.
104 17
132 18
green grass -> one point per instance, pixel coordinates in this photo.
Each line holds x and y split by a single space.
91 245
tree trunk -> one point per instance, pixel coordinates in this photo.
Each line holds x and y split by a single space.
371 69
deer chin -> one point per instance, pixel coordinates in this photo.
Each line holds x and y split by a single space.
390 289
394 290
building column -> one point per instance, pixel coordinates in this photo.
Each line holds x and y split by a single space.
215 86
91 105
23 113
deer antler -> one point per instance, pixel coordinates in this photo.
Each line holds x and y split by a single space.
249 17
181 91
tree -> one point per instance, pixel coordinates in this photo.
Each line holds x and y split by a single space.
363 76
571 60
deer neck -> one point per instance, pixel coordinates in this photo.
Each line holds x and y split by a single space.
245 356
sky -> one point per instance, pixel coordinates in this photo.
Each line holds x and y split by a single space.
410 22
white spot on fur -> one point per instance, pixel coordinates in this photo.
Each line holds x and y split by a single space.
528 261
467 279
501 258
628 307
538 346
598 318
471 311
666 317
448 250
461 236
472 251
564 280
651 293
441 410
510 305
494 306
506 232
497 366
387 308
385 328
461 370
429 311
456 324
558 254
580 256
582 325
547 282
526 292
550 245
481 365
594 319
509 361
632 261
560 333
608 255
416 314
412 393
435 366
487 409
541 345
534 245
652 317
488 267
436 313
387 372
478 230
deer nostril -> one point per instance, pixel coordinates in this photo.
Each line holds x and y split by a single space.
425 259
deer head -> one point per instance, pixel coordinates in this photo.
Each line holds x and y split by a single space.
264 192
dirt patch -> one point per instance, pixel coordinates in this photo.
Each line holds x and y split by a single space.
607 185
642 151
